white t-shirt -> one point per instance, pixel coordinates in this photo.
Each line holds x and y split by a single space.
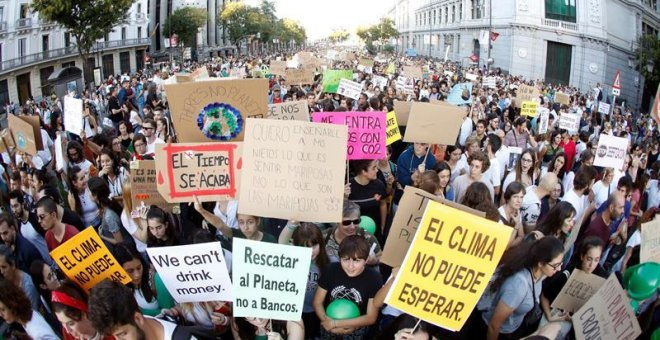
38 328
45 154
493 173
168 328
579 203
531 207
567 182
230 218
466 131
601 192
151 147
502 156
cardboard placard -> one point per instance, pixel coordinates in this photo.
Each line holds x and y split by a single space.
297 110
86 261
331 79
434 124
379 82
200 73
36 129
270 280
23 134
187 102
59 153
210 171
406 220
144 188
299 76
611 151
366 132
413 71
402 110
604 108
529 109
569 122
427 286
526 93
278 67
562 98
471 76
392 134
650 246
544 117
349 88
579 288
294 170
73 115
194 272
607 315
490 82
366 62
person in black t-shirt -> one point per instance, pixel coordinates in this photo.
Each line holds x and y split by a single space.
369 193
115 112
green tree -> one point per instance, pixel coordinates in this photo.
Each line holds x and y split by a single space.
86 20
379 33
288 30
338 36
648 53
185 22
241 21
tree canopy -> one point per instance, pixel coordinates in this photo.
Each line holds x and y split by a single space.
648 52
338 36
379 33
185 22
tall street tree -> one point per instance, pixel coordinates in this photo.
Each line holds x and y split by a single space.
241 21
185 23
647 63
338 36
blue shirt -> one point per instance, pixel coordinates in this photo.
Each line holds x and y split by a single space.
408 163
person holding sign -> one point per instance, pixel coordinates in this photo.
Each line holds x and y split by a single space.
15 307
350 225
352 280
414 158
478 163
262 329
368 191
70 306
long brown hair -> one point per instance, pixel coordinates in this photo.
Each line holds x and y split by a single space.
308 235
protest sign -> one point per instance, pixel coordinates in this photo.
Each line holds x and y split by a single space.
200 74
569 122
490 82
293 170
412 71
35 122
215 110
460 94
405 84
297 110
406 220
210 171
366 132
650 246
6 141
562 98
331 79
349 89
85 260
607 315
449 264
604 108
299 76
304 57
611 151
278 67
59 153
402 110
73 112
23 135
144 188
391 68
379 81
544 117
526 93
392 134
270 280
193 273
471 76
434 124
514 154
529 109
579 288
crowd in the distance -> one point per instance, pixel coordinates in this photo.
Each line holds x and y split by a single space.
542 185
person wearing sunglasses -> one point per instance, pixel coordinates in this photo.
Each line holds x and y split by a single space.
350 225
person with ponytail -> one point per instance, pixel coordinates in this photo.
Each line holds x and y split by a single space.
110 230
70 306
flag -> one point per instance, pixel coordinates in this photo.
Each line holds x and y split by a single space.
494 35
655 110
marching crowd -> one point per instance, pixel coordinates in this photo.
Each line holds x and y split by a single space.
565 213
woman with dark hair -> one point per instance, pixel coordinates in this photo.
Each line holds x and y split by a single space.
556 165
140 151
125 135
249 328
559 221
476 193
550 148
407 327
12 273
56 124
452 156
151 296
70 307
510 211
45 279
515 291
15 307
80 198
113 173
110 230
368 192
524 172
160 232
444 175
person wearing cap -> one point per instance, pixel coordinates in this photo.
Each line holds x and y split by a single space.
70 307
276 96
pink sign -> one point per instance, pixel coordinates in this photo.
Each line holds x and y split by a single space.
366 132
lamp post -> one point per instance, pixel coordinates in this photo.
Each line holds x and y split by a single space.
490 31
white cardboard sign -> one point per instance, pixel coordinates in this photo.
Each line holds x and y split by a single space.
73 112
349 88
611 151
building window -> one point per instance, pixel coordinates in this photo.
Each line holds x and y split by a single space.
22 47
25 11
44 73
563 10
4 94
648 29
69 64
125 62
123 33
44 42
88 70
67 39
139 59
440 16
139 32
139 8
460 12
446 15
2 14
424 18
106 37
453 14
477 9
108 65
434 17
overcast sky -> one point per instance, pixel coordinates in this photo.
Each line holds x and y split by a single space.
321 17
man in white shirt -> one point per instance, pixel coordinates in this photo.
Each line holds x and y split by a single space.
578 197
466 128
531 203
149 131
493 174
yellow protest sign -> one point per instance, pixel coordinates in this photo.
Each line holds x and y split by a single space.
448 266
85 260
529 108
392 133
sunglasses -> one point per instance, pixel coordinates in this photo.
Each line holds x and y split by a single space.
349 222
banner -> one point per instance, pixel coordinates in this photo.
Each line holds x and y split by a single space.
544 117
86 261
392 134
331 79
650 246
349 89
434 124
297 110
194 272
529 109
579 288
144 190
611 151
278 67
604 108
23 134
460 94
215 110
293 170
270 280
449 264
569 122
73 115
299 76
210 171
607 315
366 132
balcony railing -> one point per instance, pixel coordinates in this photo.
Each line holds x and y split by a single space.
140 16
24 23
559 24
44 22
59 53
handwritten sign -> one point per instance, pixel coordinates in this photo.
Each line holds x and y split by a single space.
209 171
562 98
299 76
604 108
191 101
392 134
650 247
569 122
544 117
73 112
293 170
611 151
579 288
297 110
471 76
366 132
22 134
607 315
529 109
490 82
428 286
435 124
193 273
144 188
349 88
413 71
526 93
270 280
331 79
85 260
278 67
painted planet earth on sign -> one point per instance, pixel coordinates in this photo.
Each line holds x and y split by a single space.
220 121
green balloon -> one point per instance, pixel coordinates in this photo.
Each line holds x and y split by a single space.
642 280
368 224
342 309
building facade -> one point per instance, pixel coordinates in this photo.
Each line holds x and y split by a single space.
31 49
575 42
